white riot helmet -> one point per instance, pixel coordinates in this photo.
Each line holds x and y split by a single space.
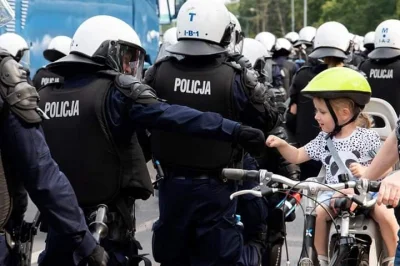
387 40
16 46
332 40
236 45
267 39
306 36
253 50
106 41
170 36
283 44
369 40
358 43
292 37
204 28
58 47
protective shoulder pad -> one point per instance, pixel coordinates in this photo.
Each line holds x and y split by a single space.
256 91
250 78
135 90
15 90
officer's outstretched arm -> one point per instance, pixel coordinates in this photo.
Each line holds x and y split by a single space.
19 96
151 112
148 111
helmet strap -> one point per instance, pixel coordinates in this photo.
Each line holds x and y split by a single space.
335 120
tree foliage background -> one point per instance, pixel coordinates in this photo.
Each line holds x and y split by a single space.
359 16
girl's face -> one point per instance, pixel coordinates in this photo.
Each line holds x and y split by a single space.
323 116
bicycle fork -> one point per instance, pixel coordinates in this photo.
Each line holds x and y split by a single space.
309 256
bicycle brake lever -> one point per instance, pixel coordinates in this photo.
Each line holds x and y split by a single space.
244 192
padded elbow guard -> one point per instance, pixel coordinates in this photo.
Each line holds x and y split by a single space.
21 97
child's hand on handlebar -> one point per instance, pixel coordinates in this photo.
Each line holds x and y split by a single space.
357 169
275 142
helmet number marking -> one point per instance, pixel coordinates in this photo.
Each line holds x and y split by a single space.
191 33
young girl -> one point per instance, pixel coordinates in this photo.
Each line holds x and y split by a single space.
339 94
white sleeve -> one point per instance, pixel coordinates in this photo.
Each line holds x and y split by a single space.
314 148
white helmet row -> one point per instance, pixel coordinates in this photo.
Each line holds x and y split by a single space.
170 36
16 46
306 36
253 50
293 37
267 39
106 40
387 40
204 28
58 48
236 45
332 39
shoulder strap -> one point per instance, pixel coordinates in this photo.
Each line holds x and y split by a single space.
336 157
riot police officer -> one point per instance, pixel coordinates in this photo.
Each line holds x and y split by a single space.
93 118
204 232
26 159
58 47
331 44
383 66
281 51
304 45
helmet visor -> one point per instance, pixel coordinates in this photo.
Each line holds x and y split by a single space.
130 59
125 57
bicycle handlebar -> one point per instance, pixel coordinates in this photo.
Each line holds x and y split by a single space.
264 178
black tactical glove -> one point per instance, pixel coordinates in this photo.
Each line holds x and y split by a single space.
99 257
251 139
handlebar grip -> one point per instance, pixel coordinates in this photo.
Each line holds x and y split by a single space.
239 174
233 174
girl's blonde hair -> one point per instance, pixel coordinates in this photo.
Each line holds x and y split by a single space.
363 120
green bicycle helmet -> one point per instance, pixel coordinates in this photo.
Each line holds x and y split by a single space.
340 82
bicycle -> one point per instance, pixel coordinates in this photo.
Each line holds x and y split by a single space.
347 243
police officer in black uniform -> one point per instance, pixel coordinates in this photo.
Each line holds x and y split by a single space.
383 66
58 48
281 52
204 232
304 45
93 118
26 158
